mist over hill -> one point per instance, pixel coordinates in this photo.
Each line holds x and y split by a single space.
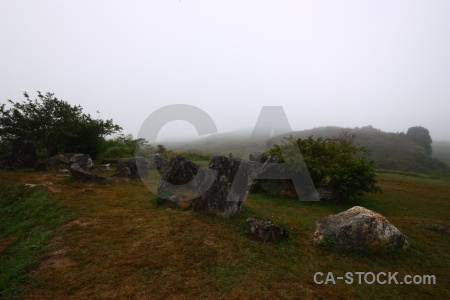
392 151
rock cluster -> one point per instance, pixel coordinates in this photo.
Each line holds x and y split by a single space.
65 160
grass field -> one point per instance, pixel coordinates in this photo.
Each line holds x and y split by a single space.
119 244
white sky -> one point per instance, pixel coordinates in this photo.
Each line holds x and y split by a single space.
342 63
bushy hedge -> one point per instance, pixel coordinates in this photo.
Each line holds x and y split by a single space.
334 164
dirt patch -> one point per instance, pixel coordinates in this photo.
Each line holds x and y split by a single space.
6 241
78 223
211 241
57 259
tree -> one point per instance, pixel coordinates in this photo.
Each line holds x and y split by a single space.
422 136
336 165
54 125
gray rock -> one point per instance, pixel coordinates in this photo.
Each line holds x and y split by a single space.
272 180
277 185
256 156
63 172
158 161
123 172
57 162
359 229
65 160
79 173
179 171
228 189
20 154
327 194
84 160
137 167
265 230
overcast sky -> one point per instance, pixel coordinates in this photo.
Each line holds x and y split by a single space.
343 63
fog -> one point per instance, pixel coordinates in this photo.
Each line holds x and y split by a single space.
340 63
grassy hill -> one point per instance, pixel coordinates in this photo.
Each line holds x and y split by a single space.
441 151
390 151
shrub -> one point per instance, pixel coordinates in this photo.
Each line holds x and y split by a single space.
334 164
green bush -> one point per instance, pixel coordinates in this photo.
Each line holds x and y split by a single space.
335 164
125 146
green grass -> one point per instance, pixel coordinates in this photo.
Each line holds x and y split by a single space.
123 246
27 220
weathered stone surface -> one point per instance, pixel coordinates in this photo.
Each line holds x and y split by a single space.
327 194
123 172
228 190
180 171
256 156
265 230
20 154
65 160
359 229
84 160
277 186
79 173
136 165
270 179
157 161
256 168
57 162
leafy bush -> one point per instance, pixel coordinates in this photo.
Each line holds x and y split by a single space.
125 146
334 164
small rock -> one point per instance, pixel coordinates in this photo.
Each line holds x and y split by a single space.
265 230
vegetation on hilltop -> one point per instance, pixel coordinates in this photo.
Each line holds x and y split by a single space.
393 151
334 164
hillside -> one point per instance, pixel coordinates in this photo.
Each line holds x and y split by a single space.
393 151
389 150
441 151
